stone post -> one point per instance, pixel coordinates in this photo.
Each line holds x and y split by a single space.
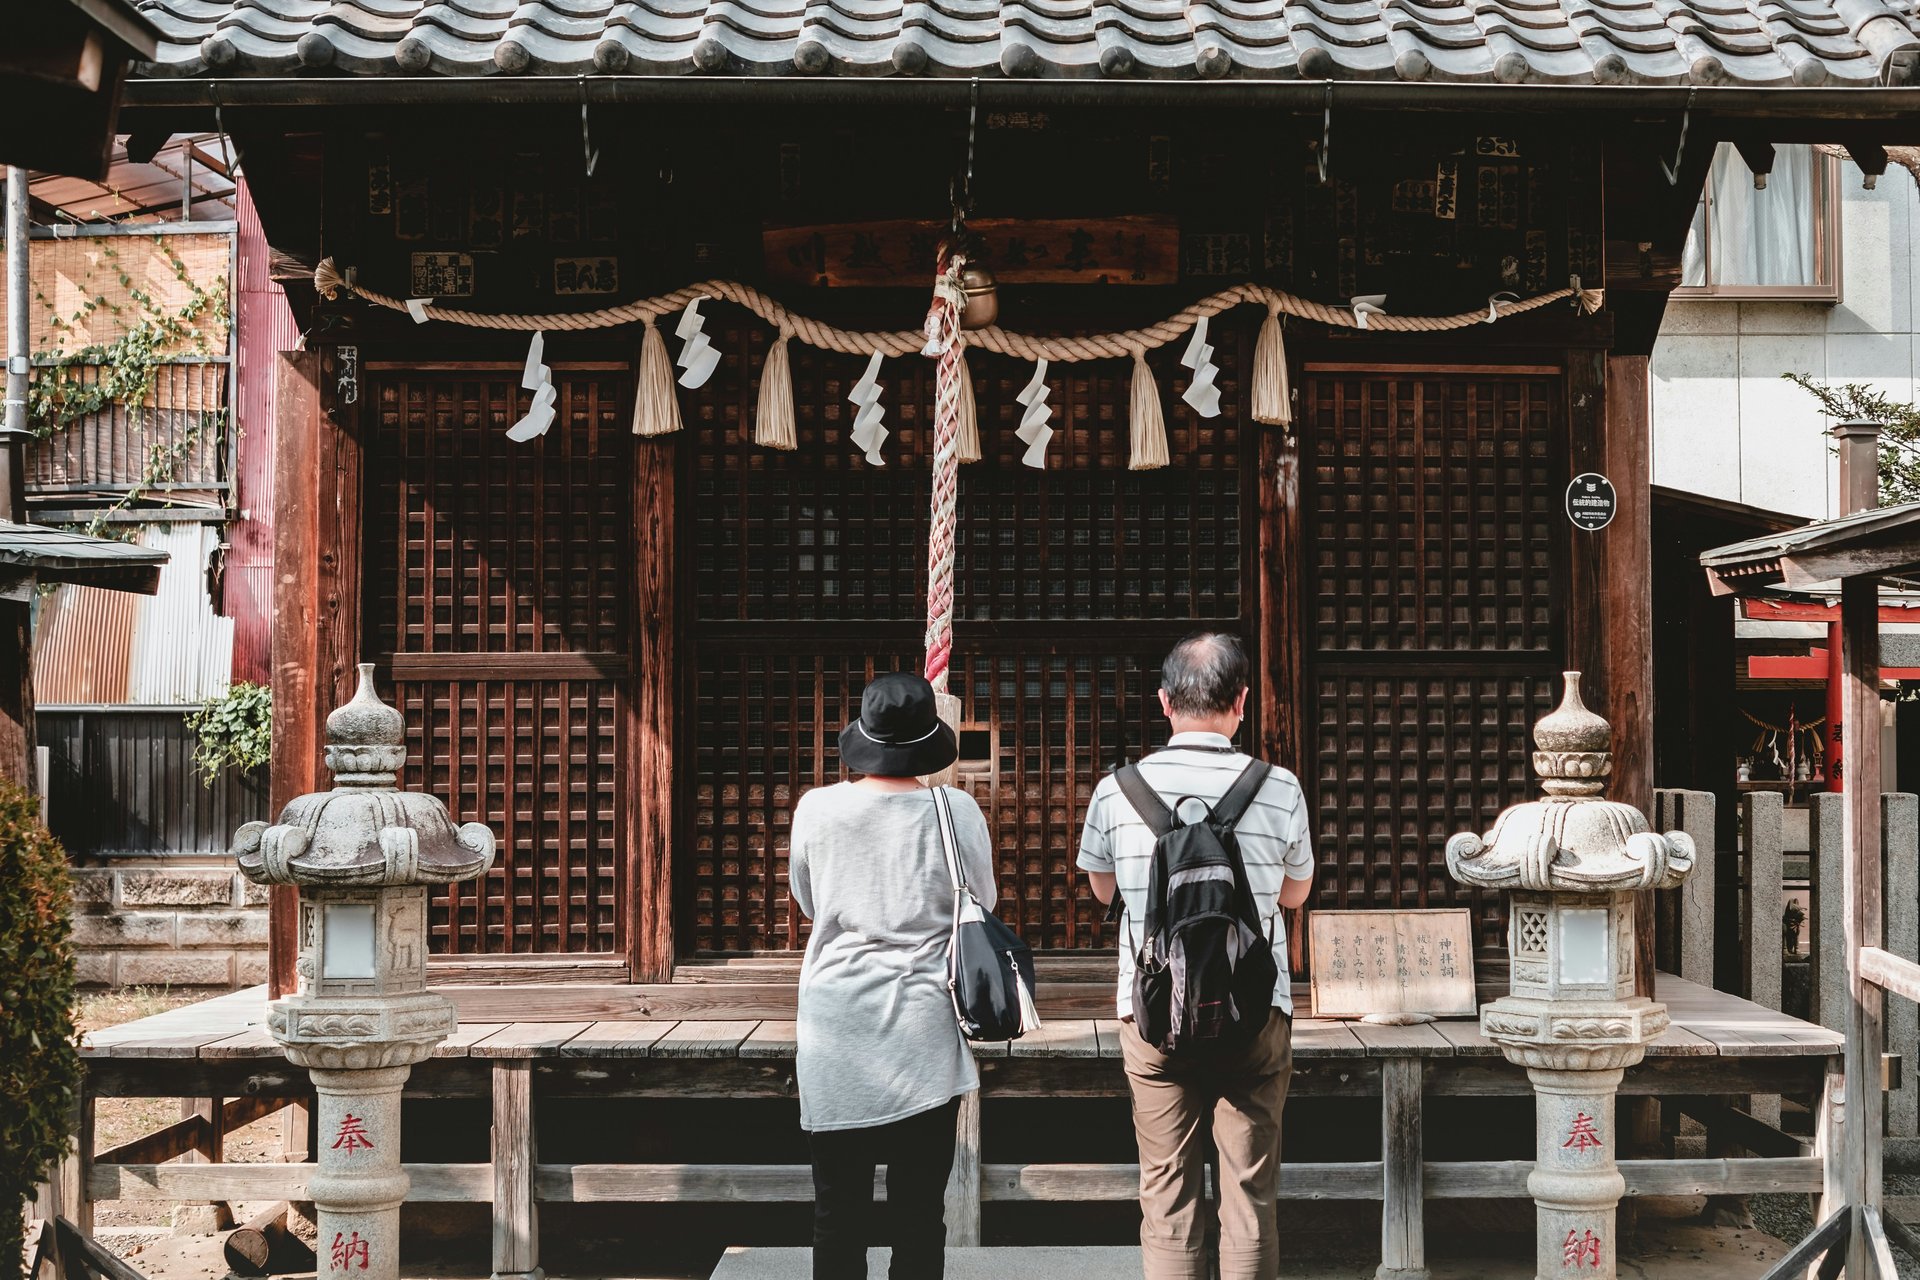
363 854
1573 862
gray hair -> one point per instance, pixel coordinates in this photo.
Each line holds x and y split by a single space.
1205 673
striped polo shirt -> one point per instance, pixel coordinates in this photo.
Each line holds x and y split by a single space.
1272 836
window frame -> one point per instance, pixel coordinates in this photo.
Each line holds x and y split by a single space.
1826 246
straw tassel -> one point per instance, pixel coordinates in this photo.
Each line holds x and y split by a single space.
656 410
966 442
773 423
1148 420
1272 398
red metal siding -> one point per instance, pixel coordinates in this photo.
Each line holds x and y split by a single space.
263 327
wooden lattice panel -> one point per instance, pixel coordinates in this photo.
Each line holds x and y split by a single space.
497 592
1430 530
1432 511
808 572
819 534
1038 733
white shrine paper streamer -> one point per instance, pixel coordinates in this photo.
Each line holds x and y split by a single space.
1493 303
869 431
417 308
1367 304
1033 429
698 356
1201 394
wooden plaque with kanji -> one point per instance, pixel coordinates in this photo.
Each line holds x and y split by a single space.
1383 963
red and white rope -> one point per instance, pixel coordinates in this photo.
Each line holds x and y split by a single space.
943 330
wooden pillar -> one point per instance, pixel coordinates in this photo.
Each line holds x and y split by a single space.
1609 598
1280 686
516 1223
1403 1232
316 594
66 1192
654 698
1760 837
963 1184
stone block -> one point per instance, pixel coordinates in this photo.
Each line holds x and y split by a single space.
176 969
223 929
93 968
124 929
92 887
176 888
249 968
251 894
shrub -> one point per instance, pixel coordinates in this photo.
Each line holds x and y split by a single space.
39 1050
235 731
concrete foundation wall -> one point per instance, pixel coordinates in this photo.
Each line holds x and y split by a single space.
171 922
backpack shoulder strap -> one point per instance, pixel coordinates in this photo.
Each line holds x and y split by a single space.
1145 800
1233 805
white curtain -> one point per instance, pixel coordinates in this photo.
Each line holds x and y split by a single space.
1756 237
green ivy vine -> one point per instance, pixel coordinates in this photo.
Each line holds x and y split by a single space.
61 395
233 731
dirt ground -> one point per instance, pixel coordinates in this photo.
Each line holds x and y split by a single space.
121 1120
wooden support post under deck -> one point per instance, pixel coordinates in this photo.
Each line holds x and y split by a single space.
516 1223
1403 1232
1860 1137
963 1184
65 1193
1761 840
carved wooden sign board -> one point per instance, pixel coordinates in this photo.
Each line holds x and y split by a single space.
1387 963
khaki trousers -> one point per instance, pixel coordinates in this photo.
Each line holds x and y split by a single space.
1176 1102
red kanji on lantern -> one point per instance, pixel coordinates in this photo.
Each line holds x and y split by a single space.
1583 1137
346 1249
1581 1251
352 1135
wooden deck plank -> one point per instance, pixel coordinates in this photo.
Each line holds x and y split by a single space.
1420 1041
770 1040
1109 1031
695 1039
527 1040
254 1042
1069 1038
1324 1038
464 1037
1678 1042
616 1040
1466 1039
179 1033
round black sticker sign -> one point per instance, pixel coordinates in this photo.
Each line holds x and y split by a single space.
1591 501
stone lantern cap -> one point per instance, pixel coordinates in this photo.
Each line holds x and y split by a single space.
364 832
1573 840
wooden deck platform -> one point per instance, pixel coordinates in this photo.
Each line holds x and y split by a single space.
1719 1045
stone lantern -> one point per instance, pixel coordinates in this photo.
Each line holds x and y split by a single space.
363 855
1573 862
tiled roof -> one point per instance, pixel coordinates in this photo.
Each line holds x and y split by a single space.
1647 42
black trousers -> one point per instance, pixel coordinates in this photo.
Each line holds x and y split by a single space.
918 1153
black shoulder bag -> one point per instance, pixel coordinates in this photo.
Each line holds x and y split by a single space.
989 970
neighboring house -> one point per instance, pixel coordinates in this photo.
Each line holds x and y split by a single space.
187 468
1814 275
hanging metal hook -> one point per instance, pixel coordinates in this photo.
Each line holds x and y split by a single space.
587 148
960 191
1673 170
1326 134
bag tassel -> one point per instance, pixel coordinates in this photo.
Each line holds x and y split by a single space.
656 410
773 422
967 441
1029 1016
1272 398
1148 419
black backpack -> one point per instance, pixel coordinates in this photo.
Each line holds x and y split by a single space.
1204 976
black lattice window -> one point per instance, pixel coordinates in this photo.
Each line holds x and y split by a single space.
1432 619
488 562
809 567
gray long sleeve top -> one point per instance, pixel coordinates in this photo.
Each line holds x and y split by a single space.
876 1039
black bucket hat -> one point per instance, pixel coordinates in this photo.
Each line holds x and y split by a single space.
899 733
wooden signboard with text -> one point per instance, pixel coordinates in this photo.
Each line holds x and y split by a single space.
1391 963
1140 249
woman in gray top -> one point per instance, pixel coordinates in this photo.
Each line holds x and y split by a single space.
881 1065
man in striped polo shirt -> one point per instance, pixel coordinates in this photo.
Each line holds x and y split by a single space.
1239 1095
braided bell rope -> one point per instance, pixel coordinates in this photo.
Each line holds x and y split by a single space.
332 283
943 326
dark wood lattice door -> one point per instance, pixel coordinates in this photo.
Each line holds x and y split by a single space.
807 578
1431 619
498 592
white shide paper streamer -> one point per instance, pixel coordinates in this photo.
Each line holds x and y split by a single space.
537 378
1201 394
698 356
869 430
1033 429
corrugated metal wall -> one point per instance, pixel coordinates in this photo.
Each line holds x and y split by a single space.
168 649
263 328
122 782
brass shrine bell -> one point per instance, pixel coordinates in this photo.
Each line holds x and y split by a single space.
982 307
